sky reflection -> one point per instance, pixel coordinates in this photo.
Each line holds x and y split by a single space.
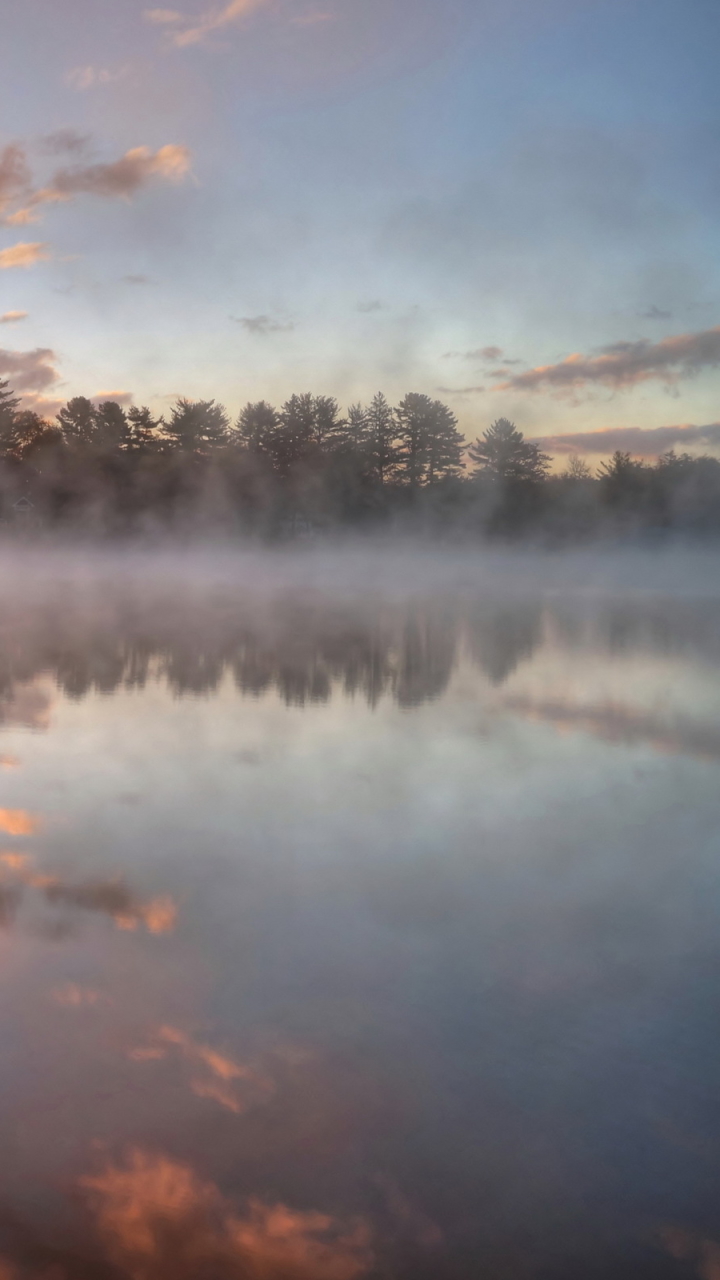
378 974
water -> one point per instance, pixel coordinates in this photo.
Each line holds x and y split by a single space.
359 916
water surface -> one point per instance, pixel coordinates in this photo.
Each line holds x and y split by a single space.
359 916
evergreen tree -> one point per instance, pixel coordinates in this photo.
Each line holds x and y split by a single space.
505 455
382 446
112 432
257 427
295 439
77 421
356 434
8 408
144 431
196 427
414 416
445 444
328 429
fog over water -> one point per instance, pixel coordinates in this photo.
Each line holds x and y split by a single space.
359 914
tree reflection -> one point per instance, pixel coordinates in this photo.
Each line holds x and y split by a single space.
306 647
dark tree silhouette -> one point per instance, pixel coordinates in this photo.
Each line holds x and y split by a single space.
382 447
308 467
31 436
445 444
144 433
414 415
196 427
8 410
257 428
112 431
78 421
356 432
503 453
295 440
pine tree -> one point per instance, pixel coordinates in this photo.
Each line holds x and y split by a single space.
257 426
112 431
8 409
78 420
198 426
445 444
414 416
144 431
505 455
382 446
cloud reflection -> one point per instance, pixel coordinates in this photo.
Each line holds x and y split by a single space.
111 897
615 723
159 1220
232 1084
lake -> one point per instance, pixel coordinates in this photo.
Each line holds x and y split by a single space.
360 914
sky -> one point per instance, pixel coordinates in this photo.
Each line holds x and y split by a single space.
510 205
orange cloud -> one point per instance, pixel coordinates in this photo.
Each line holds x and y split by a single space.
625 364
119 179
211 21
107 897
23 255
18 822
160 1221
14 861
114 899
13 317
234 1085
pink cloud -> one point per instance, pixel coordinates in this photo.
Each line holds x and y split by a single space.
647 442
625 364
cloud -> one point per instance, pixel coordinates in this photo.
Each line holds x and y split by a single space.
121 178
13 317
461 391
162 16
23 255
20 218
262 324
136 279
212 20
18 822
625 364
373 304
233 1085
119 397
492 354
107 897
618 724
46 407
655 313
65 140
73 996
159 1219
29 370
83 78
14 175
647 442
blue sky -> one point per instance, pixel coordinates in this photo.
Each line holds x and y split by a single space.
351 195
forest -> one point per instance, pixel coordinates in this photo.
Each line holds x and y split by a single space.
307 468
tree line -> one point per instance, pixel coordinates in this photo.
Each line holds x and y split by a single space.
307 466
